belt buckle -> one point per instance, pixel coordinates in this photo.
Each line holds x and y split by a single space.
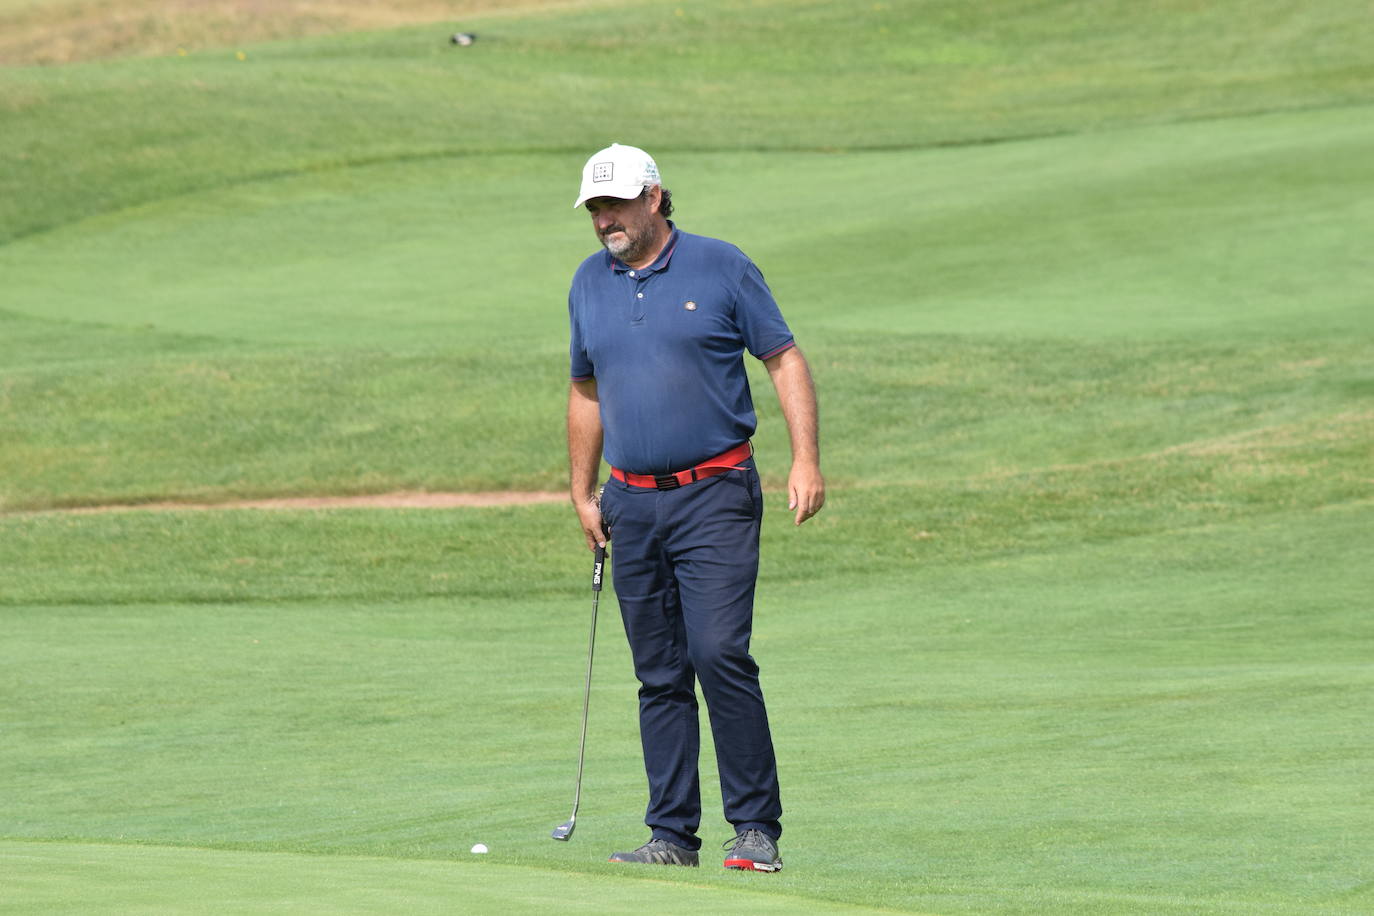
666 482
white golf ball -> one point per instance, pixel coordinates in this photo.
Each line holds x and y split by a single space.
480 848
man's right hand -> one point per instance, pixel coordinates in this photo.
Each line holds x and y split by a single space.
593 526
584 458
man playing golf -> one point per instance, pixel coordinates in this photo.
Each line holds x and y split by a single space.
660 321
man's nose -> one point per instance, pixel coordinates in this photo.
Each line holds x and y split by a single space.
602 219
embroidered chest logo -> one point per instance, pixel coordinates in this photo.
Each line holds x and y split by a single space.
690 306
603 171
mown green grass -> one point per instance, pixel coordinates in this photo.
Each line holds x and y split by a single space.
1040 730
59 877
1084 627
1305 464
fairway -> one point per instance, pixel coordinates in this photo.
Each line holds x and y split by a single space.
1085 626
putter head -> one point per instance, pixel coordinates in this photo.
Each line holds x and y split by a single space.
563 831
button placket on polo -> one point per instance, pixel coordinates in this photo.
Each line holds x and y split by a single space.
637 292
639 296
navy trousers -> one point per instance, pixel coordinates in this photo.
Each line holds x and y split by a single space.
684 569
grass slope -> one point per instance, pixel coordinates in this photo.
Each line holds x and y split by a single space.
64 31
430 355
819 75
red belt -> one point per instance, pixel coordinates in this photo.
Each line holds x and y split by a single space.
730 461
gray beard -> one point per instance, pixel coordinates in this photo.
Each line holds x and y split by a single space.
632 249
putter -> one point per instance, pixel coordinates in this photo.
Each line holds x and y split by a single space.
564 831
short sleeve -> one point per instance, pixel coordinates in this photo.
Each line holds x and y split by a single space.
760 320
580 364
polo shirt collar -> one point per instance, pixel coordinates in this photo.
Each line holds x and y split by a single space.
660 263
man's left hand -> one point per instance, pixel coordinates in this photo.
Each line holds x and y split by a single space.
805 491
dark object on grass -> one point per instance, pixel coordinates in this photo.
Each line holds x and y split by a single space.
463 39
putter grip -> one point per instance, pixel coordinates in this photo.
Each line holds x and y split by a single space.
598 568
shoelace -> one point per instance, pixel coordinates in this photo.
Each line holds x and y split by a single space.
659 850
747 838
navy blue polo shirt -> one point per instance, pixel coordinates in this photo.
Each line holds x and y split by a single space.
665 344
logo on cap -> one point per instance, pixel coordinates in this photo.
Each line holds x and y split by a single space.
603 171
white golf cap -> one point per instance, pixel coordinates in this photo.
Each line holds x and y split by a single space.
617 171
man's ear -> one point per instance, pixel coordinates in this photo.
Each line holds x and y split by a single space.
653 195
